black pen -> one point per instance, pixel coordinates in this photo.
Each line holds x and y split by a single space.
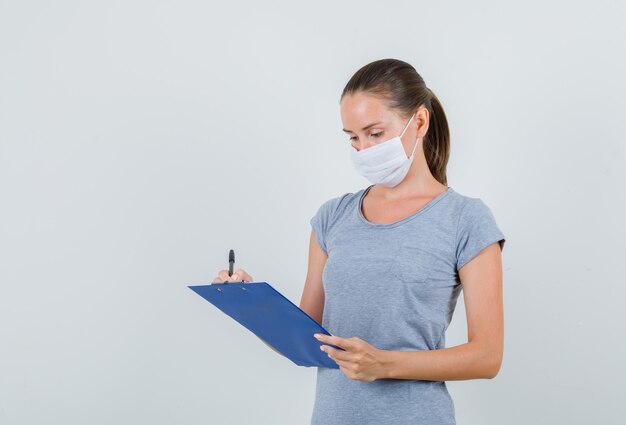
231 262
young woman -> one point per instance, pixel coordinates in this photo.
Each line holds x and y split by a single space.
387 263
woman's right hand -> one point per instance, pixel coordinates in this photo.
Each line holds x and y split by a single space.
238 276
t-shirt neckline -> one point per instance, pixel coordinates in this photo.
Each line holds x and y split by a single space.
425 208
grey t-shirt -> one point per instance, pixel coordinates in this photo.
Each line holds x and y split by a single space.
395 286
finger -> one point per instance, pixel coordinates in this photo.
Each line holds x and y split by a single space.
338 341
340 362
220 278
347 370
243 275
337 355
223 275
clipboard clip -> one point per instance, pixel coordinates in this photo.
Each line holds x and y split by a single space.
220 284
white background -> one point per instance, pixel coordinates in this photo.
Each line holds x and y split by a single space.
140 141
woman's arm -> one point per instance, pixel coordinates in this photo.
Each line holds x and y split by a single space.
312 300
481 356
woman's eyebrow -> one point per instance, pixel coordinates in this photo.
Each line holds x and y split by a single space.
364 128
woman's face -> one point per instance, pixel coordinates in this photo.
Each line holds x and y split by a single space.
367 122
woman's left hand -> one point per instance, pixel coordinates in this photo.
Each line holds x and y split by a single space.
360 361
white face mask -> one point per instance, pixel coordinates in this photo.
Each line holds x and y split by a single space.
385 163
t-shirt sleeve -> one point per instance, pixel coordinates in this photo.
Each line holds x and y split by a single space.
321 221
477 229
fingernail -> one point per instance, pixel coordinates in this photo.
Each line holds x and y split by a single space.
322 347
316 336
235 276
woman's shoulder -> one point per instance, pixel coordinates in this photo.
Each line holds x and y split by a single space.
465 204
340 202
476 227
329 212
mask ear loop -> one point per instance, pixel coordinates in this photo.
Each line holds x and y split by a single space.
407 125
416 140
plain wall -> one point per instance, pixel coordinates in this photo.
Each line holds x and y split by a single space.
141 140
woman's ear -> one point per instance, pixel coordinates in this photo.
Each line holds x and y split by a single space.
422 117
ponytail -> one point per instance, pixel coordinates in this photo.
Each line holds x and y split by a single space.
437 140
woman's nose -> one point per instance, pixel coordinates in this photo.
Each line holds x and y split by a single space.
360 145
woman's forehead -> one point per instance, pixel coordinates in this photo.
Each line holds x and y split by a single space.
362 100
358 109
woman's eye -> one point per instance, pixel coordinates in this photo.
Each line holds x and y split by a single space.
377 134
352 138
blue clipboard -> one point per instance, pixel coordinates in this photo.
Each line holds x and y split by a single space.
272 317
